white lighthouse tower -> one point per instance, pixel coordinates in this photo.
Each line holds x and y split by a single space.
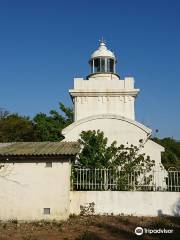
103 92
103 101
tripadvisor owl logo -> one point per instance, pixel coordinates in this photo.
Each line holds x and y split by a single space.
138 231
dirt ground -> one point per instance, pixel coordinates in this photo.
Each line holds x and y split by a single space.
90 228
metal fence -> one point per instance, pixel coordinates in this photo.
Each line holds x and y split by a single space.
117 180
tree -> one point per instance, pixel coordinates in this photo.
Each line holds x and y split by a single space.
171 156
68 112
49 127
42 127
96 153
15 128
120 164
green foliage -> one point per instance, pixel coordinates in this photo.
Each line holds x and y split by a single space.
48 128
15 128
97 154
94 149
42 127
69 115
171 156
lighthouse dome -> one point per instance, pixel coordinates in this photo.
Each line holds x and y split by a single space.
102 51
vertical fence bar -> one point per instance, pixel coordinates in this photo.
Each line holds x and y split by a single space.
178 182
95 180
77 172
85 178
80 170
171 181
88 179
101 179
168 182
116 180
92 179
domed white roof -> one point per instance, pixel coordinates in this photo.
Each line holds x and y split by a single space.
102 52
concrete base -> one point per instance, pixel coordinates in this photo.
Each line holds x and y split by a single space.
127 203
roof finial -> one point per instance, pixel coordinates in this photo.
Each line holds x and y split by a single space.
102 41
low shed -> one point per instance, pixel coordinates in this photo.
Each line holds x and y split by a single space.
35 180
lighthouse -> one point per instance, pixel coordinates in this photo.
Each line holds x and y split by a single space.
103 101
103 92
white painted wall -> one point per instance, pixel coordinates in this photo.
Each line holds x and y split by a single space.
103 94
127 203
27 188
116 128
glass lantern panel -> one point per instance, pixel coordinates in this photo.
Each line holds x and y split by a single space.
111 65
97 65
102 65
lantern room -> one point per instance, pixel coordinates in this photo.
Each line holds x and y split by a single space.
103 60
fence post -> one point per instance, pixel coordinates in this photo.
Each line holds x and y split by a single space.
106 179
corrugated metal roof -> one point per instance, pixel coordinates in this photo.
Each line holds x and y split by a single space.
39 149
5 144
